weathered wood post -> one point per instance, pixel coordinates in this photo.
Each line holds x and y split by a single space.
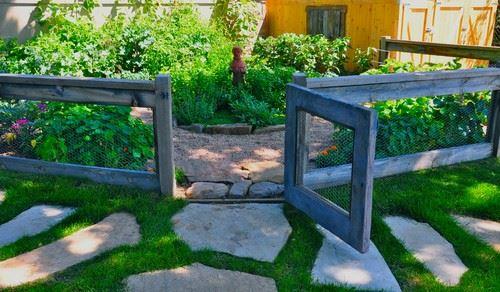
494 123
162 119
303 123
383 54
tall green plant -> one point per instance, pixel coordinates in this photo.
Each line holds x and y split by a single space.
306 53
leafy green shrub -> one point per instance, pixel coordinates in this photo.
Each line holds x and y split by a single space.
305 53
269 84
419 124
94 135
364 59
253 111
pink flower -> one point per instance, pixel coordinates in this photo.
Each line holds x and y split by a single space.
22 122
15 127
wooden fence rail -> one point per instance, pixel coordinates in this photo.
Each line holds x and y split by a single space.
448 50
155 95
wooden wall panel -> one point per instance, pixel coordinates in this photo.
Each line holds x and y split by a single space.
444 21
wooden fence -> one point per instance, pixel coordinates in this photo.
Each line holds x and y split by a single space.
149 94
372 88
448 50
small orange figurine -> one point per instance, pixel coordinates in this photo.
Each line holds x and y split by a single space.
238 67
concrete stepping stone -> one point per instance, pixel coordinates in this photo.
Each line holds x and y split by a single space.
32 221
338 263
429 247
114 231
257 231
198 277
486 230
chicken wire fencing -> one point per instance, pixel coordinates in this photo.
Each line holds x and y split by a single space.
84 134
408 126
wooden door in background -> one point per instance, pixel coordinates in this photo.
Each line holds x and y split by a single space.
448 26
415 25
480 19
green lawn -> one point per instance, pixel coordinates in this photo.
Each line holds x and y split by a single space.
430 196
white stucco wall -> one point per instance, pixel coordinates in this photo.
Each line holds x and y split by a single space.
16 19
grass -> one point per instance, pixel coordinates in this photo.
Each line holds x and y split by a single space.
430 196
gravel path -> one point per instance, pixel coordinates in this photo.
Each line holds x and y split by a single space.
218 158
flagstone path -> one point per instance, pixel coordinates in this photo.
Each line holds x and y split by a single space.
32 221
429 247
198 277
338 263
486 230
114 231
257 231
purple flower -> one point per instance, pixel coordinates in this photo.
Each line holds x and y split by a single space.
42 107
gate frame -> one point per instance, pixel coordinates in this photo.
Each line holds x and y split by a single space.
156 95
354 226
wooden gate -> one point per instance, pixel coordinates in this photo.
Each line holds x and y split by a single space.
352 226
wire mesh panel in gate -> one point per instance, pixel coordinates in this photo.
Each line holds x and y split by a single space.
330 144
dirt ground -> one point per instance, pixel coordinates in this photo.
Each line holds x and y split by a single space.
218 158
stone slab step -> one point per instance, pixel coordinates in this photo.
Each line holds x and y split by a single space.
486 230
257 231
33 221
339 264
198 277
115 230
429 247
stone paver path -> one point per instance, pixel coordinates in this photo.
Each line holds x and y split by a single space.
339 264
115 230
32 221
257 231
198 277
429 247
486 230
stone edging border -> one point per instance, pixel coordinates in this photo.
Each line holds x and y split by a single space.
231 129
